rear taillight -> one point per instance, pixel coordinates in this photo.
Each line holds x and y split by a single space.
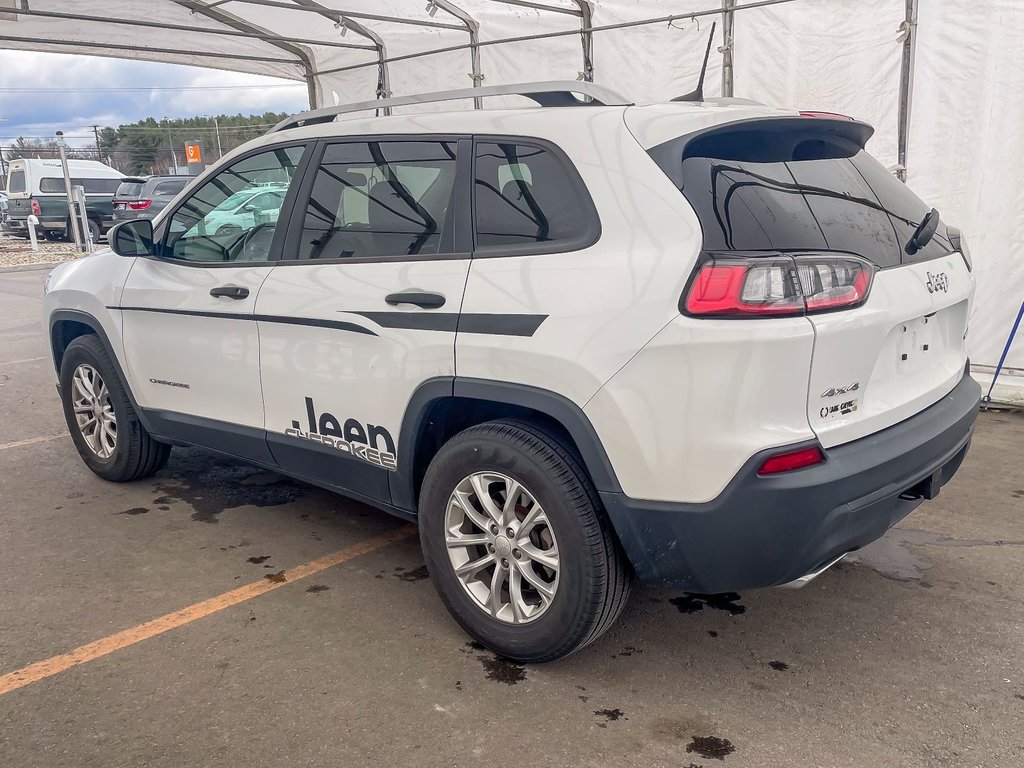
787 462
139 205
774 286
35 208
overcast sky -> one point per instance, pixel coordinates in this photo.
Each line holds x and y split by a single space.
64 103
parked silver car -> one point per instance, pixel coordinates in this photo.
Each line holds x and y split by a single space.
142 197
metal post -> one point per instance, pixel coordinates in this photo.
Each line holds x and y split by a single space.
909 29
216 126
72 217
79 192
587 38
728 18
473 27
170 143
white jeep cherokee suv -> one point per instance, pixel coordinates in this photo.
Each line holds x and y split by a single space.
713 345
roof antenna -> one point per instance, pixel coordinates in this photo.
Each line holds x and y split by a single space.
697 94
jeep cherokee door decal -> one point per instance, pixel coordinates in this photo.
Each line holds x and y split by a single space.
370 443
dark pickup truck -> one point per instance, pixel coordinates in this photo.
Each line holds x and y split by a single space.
46 198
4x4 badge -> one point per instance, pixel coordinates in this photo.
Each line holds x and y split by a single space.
836 391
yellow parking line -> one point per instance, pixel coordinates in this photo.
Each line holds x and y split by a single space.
31 440
107 645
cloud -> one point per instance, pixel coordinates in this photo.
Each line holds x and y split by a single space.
41 113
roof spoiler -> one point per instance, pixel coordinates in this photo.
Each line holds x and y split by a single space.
783 129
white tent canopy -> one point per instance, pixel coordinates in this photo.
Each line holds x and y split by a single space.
959 62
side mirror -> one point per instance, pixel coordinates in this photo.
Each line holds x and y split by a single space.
132 238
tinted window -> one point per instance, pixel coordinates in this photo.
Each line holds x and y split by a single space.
16 183
92 186
796 190
169 188
217 223
380 199
130 189
526 195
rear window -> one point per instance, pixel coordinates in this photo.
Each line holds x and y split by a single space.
92 186
130 189
756 190
16 182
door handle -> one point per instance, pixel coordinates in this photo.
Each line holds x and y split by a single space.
419 298
231 291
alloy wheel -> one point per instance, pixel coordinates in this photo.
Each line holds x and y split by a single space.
502 547
94 411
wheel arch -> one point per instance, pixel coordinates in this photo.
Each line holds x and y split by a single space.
444 406
66 325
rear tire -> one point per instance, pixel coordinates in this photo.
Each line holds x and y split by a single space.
95 231
103 424
581 577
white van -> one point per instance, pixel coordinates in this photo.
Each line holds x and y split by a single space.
36 186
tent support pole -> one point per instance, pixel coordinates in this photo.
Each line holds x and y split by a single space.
728 19
909 27
344 21
473 27
587 37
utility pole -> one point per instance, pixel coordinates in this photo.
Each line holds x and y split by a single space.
216 125
170 143
96 134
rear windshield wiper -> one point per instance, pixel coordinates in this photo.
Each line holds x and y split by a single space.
924 232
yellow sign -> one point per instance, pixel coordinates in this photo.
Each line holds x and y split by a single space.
193 153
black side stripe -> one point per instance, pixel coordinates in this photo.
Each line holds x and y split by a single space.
312 322
494 325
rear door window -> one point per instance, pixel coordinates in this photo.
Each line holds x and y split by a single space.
529 199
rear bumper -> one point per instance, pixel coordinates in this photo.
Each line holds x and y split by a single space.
766 531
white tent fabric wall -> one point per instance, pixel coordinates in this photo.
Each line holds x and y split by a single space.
966 141
966 153
826 55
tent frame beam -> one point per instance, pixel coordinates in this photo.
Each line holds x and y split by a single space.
195 7
99 47
230 20
287 6
546 35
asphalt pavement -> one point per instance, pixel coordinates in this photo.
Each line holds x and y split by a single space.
222 615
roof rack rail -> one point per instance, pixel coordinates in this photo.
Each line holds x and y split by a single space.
557 93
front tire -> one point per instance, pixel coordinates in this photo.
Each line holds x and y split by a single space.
517 544
103 424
